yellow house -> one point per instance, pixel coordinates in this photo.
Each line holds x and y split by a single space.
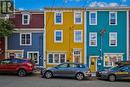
64 35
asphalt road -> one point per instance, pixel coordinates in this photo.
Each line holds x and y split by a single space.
37 81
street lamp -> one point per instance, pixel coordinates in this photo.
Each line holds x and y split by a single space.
101 43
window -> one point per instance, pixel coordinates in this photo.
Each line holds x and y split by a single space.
77 56
25 19
113 39
92 39
58 17
56 58
78 18
34 55
93 18
78 35
58 36
113 18
25 39
110 59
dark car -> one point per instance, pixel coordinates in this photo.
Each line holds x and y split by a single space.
78 71
14 65
122 71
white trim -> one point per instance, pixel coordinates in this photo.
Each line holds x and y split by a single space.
34 52
128 36
53 57
75 17
90 61
44 36
90 33
110 39
28 20
90 22
81 36
30 39
110 18
55 17
85 39
77 49
55 36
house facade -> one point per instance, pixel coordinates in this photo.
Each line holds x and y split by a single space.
27 40
64 35
106 37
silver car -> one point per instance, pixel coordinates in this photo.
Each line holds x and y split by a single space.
76 70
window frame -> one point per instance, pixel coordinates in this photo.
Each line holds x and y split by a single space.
25 39
90 33
34 52
54 59
61 17
28 20
75 17
75 41
111 18
61 36
90 18
111 39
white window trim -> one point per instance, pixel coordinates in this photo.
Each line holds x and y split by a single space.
33 52
75 17
90 39
90 23
110 39
53 58
110 18
61 36
21 39
109 59
23 19
81 36
61 17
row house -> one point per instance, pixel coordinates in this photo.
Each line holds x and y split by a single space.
106 37
64 31
27 40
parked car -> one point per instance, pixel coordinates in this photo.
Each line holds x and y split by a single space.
121 71
14 65
79 71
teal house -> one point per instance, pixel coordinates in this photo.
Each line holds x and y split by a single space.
106 37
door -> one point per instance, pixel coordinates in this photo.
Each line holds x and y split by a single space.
93 64
2 47
77 56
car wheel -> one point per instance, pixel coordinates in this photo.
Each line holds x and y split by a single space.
112 78
79 76
22 73
48 74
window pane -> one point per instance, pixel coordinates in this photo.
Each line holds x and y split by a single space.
58 36
56 58
78 17
58 17
78 36
25 16
50 58
62 58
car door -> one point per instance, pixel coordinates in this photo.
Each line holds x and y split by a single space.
122 72
4 65
61 70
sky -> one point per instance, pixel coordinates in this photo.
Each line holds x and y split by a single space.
40 4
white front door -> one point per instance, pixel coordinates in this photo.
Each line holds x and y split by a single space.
77 56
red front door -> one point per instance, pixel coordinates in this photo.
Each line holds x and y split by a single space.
2 48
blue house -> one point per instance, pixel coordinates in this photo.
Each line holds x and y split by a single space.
106 37
27 40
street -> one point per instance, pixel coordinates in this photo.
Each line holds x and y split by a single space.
36 81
